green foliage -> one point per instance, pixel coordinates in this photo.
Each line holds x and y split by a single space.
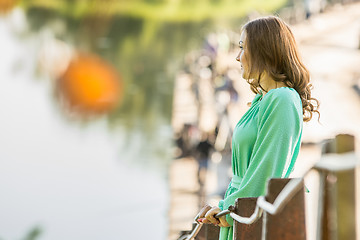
33 234
160 10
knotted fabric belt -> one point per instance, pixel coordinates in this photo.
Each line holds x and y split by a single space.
236 181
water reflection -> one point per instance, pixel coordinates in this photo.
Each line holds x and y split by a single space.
66 179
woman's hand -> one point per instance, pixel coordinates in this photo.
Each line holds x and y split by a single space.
207 215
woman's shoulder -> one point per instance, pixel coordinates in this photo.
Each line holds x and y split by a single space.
282 99
282 94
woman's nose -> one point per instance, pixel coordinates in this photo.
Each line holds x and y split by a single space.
238 57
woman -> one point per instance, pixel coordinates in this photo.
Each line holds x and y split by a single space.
266 140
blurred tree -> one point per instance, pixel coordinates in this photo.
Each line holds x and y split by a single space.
163 10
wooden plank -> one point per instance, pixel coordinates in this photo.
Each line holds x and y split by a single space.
208 232
245 207
289 223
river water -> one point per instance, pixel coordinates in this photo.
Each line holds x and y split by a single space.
67 179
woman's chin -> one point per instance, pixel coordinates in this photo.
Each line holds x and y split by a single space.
244 76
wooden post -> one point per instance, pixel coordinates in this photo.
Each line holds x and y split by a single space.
289 223
338 215
245 207
208 232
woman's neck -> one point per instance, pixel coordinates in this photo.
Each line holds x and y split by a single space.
268 83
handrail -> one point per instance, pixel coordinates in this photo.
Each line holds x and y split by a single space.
199 224
248 220
328 163
290 189
286 194
222 213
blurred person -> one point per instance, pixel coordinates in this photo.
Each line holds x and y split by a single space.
179 142
202 155
307 9
227 85
266 141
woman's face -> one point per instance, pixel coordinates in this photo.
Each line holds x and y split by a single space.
242 56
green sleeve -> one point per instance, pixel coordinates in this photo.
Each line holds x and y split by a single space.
221 205
276 146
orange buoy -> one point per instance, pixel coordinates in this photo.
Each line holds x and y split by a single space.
89 85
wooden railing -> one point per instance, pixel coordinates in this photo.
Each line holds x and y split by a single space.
280 214
337 213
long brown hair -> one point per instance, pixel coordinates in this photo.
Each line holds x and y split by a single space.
272 49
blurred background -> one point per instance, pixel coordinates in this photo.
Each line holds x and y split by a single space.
116 116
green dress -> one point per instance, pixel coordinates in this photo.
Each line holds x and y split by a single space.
265 144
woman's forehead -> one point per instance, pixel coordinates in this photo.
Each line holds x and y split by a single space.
242 37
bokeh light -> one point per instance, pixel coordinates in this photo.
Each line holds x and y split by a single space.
7 5
89 86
